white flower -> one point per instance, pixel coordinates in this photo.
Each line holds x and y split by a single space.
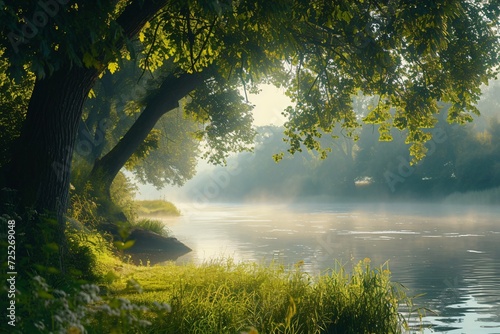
83 297
163 306
144 323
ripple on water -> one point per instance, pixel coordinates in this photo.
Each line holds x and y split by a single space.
404 232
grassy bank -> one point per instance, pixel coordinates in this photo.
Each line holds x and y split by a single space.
156 208
225 297
218 297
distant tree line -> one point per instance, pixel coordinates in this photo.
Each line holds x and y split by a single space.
459 159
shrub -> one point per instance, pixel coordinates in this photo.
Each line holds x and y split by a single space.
122 194
89 255
82 211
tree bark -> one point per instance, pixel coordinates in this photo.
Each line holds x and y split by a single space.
40 168
41 164
167 98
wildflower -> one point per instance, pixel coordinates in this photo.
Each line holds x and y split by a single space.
60 293
105 308
92 289
83 297
162 306
40 325
144 323
142 308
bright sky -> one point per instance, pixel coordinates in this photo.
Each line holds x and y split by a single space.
269 104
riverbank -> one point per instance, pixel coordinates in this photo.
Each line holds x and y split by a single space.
156 208
220 296
110 294
227 297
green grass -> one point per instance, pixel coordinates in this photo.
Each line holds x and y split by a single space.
216 297
153 225
226 297
156 208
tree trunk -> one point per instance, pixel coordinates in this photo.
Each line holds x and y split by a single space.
40 166
167 98
41 163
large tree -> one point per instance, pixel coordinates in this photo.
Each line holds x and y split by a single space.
52 39
56 52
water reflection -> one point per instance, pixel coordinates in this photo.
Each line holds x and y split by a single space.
449 253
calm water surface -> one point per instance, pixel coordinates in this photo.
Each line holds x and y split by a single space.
450 253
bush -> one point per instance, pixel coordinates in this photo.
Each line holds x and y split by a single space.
122 194
89 255
82 212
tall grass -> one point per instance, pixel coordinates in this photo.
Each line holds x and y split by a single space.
225 297
153 225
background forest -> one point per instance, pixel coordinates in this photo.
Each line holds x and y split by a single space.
460 159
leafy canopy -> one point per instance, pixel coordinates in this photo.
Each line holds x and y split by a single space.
409 54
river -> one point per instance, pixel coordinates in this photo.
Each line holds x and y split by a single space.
451 254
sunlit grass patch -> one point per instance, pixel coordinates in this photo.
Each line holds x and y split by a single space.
90 255
153 225
227 297
156 208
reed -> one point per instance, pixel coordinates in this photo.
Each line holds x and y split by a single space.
227 297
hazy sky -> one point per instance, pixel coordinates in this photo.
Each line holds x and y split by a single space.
269 104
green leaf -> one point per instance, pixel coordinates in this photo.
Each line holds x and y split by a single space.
45 295
88 60
113 67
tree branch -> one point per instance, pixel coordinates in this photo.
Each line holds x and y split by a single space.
135 16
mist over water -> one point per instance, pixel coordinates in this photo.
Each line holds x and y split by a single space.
448 252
